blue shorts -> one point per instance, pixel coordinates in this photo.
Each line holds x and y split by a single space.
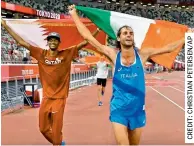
131 122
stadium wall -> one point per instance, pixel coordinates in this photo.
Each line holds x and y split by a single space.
10 72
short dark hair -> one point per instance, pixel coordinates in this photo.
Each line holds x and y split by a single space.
118 44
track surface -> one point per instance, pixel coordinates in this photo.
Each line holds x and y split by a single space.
86 123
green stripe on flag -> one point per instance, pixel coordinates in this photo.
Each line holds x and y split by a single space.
99 17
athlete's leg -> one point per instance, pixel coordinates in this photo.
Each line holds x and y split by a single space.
103 91
99 84
136 125
103 86
99 92
57 125
57 111
45 120
121 133
134 136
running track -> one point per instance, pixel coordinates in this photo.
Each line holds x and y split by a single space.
86 123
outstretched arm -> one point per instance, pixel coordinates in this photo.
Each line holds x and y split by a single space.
83 30
14 35
166 49
84 43
35 51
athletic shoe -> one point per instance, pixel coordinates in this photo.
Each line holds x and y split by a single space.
100 103
63 143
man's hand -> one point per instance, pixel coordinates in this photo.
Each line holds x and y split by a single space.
72 9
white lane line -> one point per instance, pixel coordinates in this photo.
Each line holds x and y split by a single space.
177 89
167 98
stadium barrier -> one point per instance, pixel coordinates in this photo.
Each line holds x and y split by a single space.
153 69
11 86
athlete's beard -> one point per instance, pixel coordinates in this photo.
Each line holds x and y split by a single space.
127 47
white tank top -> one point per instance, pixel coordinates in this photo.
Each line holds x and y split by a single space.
102 70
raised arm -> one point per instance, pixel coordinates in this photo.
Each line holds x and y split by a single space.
83 30
34 51
14 35
84 43
166 49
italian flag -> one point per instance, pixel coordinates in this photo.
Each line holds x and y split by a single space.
147 32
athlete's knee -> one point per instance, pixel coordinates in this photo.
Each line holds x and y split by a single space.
122 141
44 129
134 136
121 134
99 88
134 142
